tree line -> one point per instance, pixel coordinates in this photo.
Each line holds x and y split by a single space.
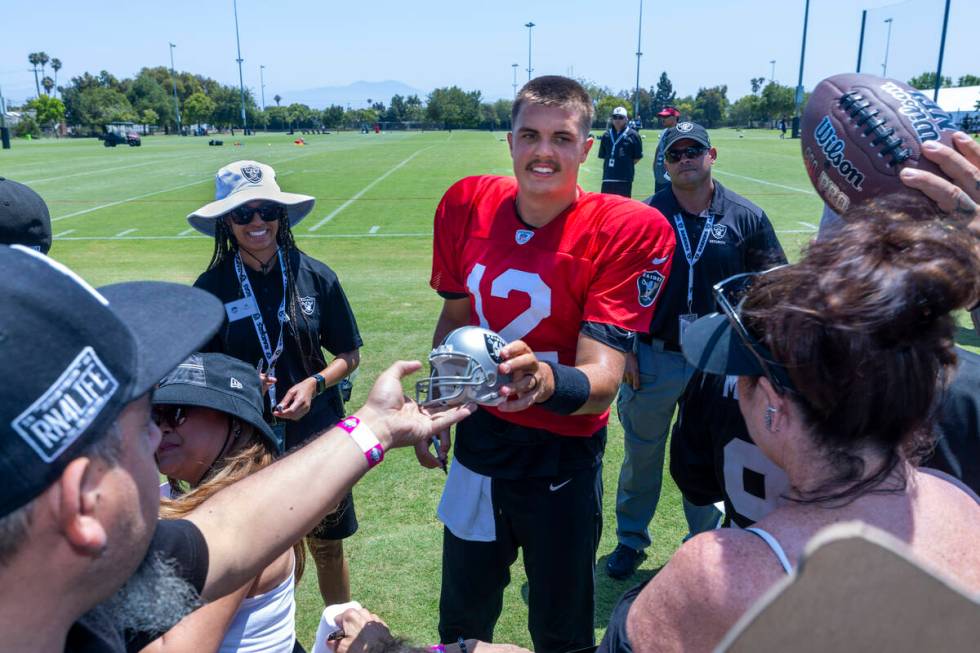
87 102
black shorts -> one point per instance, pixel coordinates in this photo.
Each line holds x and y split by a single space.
338 525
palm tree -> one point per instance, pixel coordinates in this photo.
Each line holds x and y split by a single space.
32 59
56 66
43 59
48 84
278 99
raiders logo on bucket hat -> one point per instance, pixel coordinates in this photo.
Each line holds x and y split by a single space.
242 182
76 356
24 217
222 383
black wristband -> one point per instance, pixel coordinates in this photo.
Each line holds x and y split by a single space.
321 383
572 389
462 644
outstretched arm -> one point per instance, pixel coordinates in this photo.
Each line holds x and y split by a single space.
294 493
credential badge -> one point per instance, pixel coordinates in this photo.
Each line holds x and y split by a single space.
648 285
523 235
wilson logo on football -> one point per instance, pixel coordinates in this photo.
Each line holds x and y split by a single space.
832 146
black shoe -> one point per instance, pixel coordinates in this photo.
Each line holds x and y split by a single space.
622 562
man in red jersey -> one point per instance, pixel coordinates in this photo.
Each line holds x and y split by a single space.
567 278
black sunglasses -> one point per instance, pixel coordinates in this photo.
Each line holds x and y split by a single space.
729 295
269 212
172 416
692 152
619 117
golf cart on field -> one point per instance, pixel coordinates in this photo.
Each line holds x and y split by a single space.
121 133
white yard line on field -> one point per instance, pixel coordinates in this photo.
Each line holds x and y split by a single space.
124 233
766 183
357 196
128 199
101 170
807 224
187 232
374 229
64 233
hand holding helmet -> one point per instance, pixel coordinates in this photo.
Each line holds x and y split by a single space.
465 368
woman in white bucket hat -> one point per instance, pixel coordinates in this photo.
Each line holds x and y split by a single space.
283 308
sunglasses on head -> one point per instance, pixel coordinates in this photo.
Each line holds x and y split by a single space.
692 152
172 416
269 212
729 295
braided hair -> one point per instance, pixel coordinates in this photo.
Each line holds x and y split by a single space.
226 248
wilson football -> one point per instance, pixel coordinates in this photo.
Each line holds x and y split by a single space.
858 131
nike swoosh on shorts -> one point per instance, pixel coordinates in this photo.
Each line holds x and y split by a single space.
555 488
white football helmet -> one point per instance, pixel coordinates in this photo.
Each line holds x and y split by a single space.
464 369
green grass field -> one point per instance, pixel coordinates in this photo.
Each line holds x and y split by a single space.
119 214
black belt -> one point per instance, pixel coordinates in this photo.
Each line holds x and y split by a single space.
646 339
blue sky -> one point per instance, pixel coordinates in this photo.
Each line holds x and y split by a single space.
426 44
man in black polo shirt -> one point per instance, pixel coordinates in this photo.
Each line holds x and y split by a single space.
719 234
619 148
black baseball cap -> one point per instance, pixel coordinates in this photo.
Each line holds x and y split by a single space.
713 345
76 356
683 130
24 217
222 383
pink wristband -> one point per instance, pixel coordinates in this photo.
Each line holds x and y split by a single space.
438 648
362 435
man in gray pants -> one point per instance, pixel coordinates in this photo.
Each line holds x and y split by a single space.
719 234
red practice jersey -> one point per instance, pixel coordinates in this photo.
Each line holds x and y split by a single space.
604 259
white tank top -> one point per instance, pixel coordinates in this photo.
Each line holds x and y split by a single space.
265 623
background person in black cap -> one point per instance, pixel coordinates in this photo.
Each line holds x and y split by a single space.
24 217
719 233
841 360
282 309
619 148
209 410
80 495
661 178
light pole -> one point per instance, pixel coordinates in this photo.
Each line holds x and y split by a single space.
514 66
529 69
942 49
262 84
173 78
799 82
4 132
888 42
241 78
772 72
639 36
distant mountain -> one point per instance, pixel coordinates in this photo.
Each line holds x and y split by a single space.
356 94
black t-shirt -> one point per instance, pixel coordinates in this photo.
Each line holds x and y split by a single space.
742 240
177 540
324 319
628 150
497 448
713 458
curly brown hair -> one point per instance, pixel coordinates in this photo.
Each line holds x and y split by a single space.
863 326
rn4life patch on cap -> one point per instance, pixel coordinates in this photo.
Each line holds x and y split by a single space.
63 413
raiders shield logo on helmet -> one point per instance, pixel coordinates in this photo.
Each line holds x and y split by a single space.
307 304
718 231
648 285
252 173
494 344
